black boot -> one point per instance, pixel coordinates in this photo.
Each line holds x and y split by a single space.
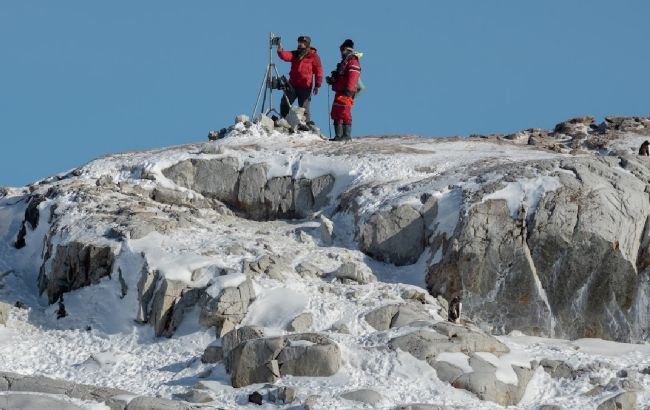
347 132
338 131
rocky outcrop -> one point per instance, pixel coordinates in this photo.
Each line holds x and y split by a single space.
249 190
74 265
573 267
436 342
352 271
483 381
264 359
395 236
32 216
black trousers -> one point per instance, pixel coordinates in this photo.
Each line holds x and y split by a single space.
304 100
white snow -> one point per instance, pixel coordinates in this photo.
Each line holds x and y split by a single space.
525 191
117 352
459 360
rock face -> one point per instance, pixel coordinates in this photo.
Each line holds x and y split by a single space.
74 265
575 267
264 360
249 190
389 316
395 236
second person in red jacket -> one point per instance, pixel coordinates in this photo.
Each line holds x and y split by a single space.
306 70
344 81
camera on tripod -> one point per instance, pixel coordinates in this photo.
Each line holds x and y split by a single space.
275 41
279 83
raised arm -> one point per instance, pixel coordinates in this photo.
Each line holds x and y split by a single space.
285 55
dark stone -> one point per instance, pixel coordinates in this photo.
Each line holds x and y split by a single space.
256 398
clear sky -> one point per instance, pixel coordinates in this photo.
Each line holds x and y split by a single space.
79 79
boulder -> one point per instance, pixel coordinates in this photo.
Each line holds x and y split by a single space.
394 236
622 401
428 342
389 316
305 269
213 178
212 354
367 396
353 271
301 323
264 360
558 369
267 123
229 307
485 383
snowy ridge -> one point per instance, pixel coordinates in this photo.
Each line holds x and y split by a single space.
210 247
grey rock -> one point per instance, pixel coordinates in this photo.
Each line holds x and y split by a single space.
238 336
212 354
282 123
621 401
355 272
229 307
389 316
484 383
306 269
266 123
34 401
395 236
587 236
196 396
427 343
301 323
250 196
170 301
321 187
549 407
5 309
73 266
213 178
274 266
303 199
367 396
148 403
264 360
326 230
558 369
278 196
105 181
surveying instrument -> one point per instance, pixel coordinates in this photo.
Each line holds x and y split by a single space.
272 81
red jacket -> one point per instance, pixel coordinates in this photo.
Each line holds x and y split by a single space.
349 71
302 70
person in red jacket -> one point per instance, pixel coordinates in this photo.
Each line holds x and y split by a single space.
344 82
305 66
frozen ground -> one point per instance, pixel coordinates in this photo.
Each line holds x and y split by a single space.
99 342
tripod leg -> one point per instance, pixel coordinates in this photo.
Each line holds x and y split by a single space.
259 94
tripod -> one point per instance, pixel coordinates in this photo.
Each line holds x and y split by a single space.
270 81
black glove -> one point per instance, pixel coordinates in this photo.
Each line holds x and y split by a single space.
328 80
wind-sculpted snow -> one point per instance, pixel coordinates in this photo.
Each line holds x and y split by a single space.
136 265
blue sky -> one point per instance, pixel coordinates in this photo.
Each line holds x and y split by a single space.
80 79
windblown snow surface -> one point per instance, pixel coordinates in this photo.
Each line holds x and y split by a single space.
99 342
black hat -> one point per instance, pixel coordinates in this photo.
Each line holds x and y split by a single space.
305 39
347 44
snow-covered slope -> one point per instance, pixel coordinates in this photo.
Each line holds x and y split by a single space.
141 244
